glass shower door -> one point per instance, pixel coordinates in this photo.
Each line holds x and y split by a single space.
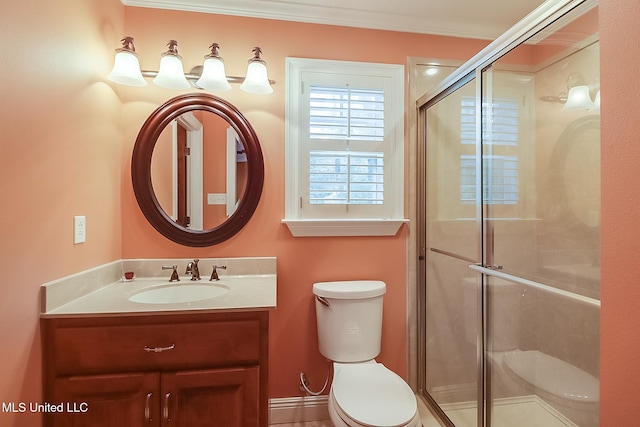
541 156
509 278
452 348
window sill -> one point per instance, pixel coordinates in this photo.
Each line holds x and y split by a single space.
344 227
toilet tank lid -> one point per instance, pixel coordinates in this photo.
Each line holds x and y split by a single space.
350 289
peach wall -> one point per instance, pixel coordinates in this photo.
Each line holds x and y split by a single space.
301 261
214 170
620 318
61 156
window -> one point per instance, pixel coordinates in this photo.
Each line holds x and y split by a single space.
499 180
344 165
499 171
346 113
345 178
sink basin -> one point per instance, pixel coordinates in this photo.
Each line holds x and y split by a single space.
179 293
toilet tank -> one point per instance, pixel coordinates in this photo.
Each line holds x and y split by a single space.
349 317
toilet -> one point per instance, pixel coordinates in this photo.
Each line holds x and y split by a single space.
522 372
364 392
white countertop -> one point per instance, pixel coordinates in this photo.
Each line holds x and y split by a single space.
246 292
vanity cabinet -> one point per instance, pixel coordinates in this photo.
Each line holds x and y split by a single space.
207 369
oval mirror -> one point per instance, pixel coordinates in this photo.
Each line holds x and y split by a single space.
197 170
574 187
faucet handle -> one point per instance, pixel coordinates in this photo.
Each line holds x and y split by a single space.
214 273
174 273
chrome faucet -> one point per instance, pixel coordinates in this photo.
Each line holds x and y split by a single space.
192 268
214 273
174 273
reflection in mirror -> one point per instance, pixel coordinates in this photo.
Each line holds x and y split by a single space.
199 170
574 186
554 157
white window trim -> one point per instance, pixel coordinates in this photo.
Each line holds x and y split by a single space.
348 226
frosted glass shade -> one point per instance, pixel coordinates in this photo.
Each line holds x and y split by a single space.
171 73
596 102
213 76
578 99
126 70
256 81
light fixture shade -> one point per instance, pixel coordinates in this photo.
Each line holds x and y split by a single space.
126 67
431 71
578 98
257 81
214 76
596 101
126 70
171 73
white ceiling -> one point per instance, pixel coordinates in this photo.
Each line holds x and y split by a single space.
482 19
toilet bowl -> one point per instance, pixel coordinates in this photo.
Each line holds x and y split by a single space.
553 379
363 392
369 394
522 372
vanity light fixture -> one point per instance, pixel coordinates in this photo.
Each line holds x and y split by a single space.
209 76
596 101
256 80
213 75
578 96
126 67
171 73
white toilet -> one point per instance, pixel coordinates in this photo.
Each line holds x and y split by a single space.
517 372
364 392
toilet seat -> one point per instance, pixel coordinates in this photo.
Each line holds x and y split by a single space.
369 394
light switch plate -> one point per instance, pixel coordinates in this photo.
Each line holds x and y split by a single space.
79 229
216 199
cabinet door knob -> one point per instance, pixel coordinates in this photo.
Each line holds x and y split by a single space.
165 411
158 349
147 410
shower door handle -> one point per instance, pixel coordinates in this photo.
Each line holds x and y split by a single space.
490 267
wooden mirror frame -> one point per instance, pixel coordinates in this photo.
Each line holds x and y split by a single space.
141 169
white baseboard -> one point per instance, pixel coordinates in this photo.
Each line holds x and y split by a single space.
298 409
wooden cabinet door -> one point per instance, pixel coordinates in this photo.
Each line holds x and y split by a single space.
114 400
208 398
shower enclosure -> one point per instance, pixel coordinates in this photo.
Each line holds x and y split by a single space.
508 228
